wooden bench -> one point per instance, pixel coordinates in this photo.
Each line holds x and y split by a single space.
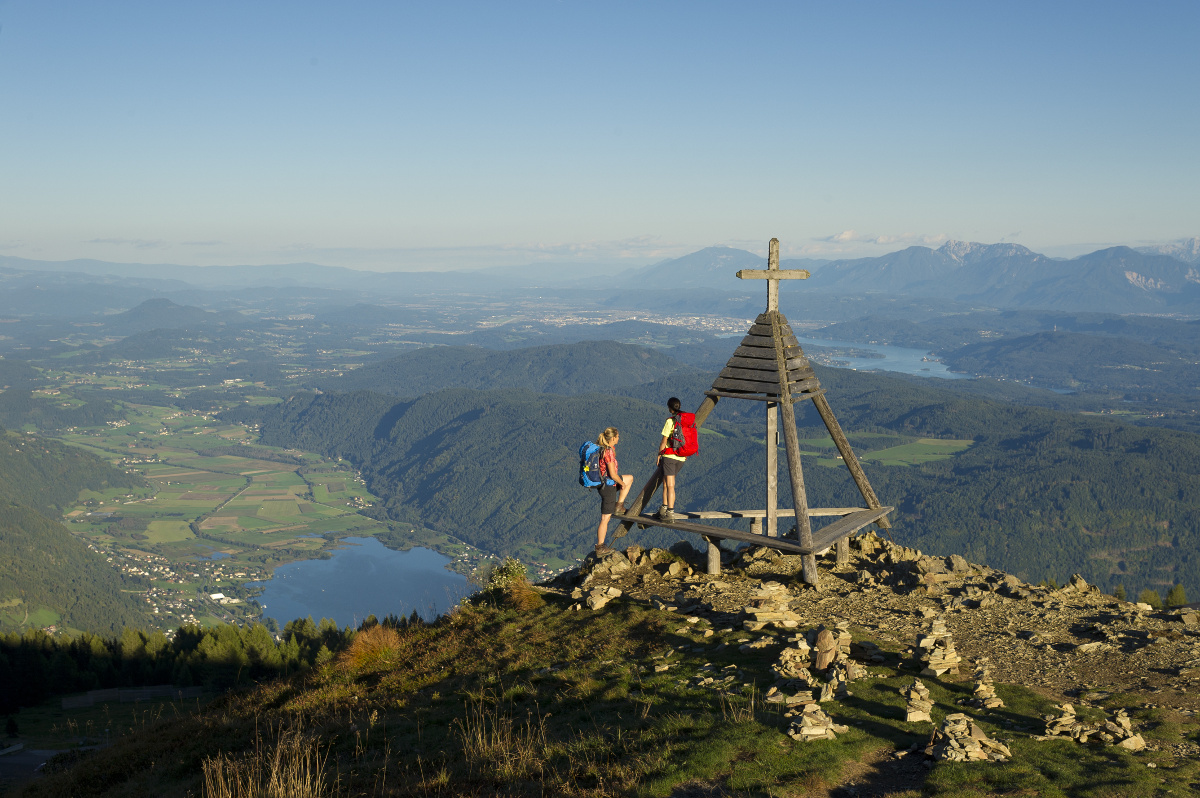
852 519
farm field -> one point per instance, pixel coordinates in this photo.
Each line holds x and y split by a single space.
219 511
905 451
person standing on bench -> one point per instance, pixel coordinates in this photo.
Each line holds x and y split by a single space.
614 481
669 463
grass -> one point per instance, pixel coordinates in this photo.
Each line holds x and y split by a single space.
504 698
922 450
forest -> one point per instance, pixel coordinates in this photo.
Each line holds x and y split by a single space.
1039 493
35 666
42 565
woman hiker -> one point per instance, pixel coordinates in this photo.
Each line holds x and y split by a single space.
669 463
610 500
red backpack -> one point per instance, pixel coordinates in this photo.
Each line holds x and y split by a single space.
684 440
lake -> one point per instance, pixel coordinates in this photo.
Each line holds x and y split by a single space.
895 358
363 577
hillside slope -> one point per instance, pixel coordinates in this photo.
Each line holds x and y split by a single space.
1042 494
573 368
47 575
637 674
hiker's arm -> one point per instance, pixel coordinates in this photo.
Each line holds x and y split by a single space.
613 474
662 447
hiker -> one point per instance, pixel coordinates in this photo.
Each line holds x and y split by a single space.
615 488
669 463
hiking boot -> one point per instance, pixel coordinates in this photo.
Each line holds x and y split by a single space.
621 509
603 551
664 514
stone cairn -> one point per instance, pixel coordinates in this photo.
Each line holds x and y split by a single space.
816 661
1118 731
960 740
936 650
814 724
769 605
793 663
985 692
919 705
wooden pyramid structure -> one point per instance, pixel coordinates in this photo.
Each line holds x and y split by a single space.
769 366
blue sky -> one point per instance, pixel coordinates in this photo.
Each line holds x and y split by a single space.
435 135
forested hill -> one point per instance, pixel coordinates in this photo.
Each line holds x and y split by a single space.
580 367
47 475
45 571
1039 493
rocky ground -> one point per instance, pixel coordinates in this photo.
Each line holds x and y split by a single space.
1073 645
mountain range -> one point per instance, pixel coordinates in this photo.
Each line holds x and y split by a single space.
1150 279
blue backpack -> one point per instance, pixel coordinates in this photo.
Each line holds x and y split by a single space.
590 473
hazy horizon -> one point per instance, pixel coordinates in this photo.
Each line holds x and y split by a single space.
413 137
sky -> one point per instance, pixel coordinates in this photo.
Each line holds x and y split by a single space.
418 135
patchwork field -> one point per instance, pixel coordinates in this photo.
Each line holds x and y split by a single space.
210 514
912 451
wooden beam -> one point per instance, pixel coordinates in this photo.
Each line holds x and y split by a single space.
763 397
773 266
821 540
714 555
792 446
772 441
764 363
848 456
795 375
828 535
766 350
764 331
721 533
766 387
773 274
813 512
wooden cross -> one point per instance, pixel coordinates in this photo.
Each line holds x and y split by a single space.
773 274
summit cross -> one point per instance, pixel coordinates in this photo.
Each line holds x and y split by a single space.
773 274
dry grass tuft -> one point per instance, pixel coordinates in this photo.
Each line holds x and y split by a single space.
520 596
497 747
292 766
372 649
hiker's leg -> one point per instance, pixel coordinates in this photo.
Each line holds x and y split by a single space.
603 530
669 490
608 503
628 480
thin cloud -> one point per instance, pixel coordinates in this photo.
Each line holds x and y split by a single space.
637 248
201 243
855 237
140 243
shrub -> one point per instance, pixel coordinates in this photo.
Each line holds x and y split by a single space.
373 648
1177 597
1151 597
506 573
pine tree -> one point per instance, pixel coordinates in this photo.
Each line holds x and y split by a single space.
1151 597
1119 593
1176 597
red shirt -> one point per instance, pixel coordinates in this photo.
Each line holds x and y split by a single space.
609 456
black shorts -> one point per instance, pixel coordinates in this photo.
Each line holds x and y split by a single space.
671 466
608 499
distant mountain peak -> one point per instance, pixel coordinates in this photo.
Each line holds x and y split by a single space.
1185 249
974 252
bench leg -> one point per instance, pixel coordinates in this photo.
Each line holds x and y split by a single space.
714 556
843 552
756 526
